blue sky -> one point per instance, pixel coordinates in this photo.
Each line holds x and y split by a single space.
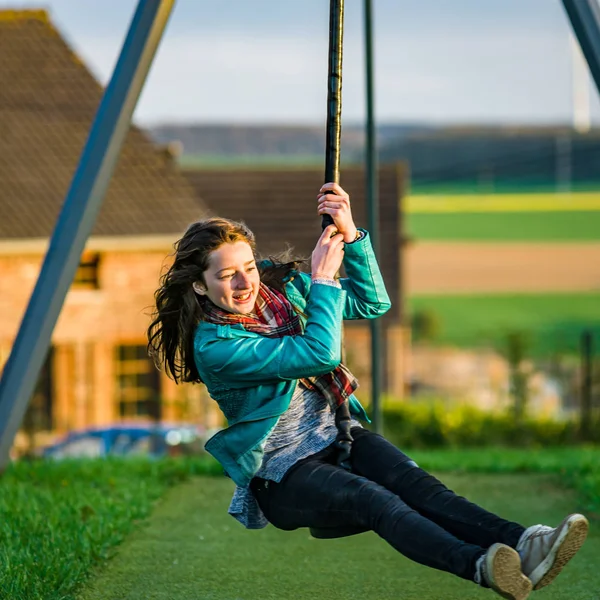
265 61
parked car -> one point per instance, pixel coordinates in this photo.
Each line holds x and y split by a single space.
134 439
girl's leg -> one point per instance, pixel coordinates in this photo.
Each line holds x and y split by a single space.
380 461
315 493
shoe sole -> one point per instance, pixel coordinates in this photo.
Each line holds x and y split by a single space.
504 572
570 539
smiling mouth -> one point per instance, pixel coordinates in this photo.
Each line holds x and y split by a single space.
243 298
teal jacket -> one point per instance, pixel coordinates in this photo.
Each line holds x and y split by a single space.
253 377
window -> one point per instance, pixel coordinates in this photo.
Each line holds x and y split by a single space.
38 416
86 276
138 384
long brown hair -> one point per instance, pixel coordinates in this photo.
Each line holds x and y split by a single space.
179 309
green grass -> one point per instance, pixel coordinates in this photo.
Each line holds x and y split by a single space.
549 460
192 549
580 226
59 519
553 322
575 467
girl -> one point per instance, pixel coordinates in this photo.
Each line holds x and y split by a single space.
265 339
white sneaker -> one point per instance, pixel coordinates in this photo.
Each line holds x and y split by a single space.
500 568
545 551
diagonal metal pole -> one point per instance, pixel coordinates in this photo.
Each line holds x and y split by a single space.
373 210
585 20
78 215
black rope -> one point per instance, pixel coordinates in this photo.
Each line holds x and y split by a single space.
343 440
334 97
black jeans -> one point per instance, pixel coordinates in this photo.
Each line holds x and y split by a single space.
390 495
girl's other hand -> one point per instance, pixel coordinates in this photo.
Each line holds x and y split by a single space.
334 201
328 253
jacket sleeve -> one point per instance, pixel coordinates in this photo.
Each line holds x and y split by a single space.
366 296
253 359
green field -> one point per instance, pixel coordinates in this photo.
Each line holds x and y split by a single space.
559 226
553 322
478 187
192 549
529 217
61 521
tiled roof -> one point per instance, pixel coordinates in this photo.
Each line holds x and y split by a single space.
48 99
279 205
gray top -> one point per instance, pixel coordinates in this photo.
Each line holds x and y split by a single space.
307 427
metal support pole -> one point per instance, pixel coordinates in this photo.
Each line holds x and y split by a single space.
78 215
564 168
373 211
585 425
585 20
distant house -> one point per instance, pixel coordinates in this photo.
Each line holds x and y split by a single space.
279 205
97 370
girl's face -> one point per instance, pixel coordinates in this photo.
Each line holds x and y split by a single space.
232 278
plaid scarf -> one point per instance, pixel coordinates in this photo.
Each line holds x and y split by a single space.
273 316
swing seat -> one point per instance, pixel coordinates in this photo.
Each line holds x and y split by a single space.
330 533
